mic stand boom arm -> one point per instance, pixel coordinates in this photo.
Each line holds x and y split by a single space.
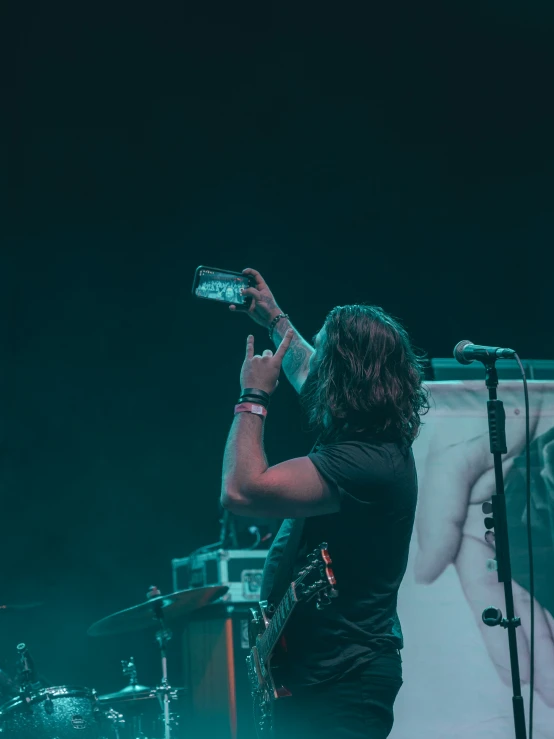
493 616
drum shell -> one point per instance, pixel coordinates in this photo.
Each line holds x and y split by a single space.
63 712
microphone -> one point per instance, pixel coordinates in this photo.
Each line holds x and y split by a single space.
466 352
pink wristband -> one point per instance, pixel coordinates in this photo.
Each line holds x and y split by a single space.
258 410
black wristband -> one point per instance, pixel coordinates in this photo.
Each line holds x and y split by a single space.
274 322
253 399
255 391
246 398
257 397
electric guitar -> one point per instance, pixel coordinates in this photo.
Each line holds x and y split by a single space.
315 581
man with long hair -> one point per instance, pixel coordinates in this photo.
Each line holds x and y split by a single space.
361 385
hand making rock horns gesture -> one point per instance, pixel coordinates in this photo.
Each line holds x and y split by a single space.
262 371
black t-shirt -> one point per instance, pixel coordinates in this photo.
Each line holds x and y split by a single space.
368 541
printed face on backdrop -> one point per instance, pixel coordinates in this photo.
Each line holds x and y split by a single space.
456 478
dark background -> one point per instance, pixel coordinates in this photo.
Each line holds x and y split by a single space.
401 155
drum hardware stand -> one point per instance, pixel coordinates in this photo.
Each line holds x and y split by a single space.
164 691
26 677
26 667
155 612
130 670
116 719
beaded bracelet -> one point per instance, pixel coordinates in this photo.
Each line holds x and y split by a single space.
274 322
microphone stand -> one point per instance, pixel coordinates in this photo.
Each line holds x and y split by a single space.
493 616
228 532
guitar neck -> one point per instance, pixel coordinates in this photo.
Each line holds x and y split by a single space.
273 633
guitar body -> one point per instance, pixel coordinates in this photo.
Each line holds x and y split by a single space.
315 581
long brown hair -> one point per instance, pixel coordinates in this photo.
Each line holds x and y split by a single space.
366 376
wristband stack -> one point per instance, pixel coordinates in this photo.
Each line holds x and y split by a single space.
253 400
254 395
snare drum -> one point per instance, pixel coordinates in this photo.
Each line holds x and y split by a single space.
53 713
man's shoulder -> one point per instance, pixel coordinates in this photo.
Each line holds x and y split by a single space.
367 445
360 461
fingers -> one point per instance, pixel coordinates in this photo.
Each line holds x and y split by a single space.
482 589
458 469
258 279
251 292
284 345
248 292
544 643
544 624
449 475
250 347
267 353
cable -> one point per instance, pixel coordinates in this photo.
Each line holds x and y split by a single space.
255 531
530 549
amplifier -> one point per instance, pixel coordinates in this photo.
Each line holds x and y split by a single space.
217 697
240 569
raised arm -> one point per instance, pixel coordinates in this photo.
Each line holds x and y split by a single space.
263 310
296 362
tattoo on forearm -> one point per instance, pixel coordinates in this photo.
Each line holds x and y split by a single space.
297 358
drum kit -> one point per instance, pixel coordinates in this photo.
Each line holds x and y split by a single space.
32 711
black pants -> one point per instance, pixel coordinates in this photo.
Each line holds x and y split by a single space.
358 706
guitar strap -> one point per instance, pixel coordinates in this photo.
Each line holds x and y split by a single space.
285 569
284 572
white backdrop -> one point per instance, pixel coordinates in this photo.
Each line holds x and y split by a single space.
456 669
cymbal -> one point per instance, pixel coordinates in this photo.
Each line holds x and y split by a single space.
147 614
130 693
134 693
